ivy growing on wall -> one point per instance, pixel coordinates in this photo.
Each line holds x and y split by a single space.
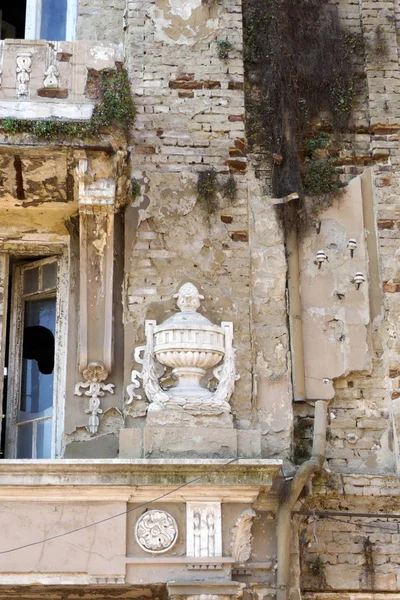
114 107
300 64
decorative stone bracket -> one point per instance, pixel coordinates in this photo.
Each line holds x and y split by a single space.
189 344
95 374
241 536
97 206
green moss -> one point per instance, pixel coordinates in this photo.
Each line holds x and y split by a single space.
115 108
321 178
317 141
224 47
135 188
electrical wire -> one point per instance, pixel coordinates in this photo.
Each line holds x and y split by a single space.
311 513
121 514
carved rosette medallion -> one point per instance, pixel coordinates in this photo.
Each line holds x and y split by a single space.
156 531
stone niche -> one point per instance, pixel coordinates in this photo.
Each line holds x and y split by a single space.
188 376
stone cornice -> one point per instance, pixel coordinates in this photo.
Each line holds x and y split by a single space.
139 480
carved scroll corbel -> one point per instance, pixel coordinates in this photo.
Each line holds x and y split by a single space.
135 376
149 374
241 536
226 373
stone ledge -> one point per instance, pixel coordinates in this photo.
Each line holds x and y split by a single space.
191 588
135 480
45 110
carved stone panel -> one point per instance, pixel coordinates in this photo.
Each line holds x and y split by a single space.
23 69
204 529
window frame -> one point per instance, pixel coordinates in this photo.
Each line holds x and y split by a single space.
15 326
33 17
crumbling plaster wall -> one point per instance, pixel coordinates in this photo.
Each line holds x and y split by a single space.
102 21
190 118
363 431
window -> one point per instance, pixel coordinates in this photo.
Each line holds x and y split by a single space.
33 398
52 20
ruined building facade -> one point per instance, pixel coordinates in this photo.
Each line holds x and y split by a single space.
171 361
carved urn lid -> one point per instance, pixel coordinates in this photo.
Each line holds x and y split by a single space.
188 301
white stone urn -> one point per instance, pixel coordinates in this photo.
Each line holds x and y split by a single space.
190 345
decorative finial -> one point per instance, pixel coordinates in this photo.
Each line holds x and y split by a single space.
188 298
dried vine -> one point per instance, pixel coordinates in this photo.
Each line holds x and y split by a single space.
300 64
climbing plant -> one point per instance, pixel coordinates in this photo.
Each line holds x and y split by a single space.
114 107
302 79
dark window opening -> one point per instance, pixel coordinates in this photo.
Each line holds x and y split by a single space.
12 18
29 360
4 402
39 346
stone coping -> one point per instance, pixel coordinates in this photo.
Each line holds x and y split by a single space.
65 463
136 480
210 587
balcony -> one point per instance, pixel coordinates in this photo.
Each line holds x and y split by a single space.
52 80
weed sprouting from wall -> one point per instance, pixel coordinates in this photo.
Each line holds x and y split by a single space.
381 45
302 70
229 188
135 188
115 107
207 188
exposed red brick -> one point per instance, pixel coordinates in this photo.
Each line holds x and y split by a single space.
53 93
236 165
235 152
211 85
240 236
240 145
185 85
226 218
391 287
159 132
235 85
145 150
384 129
394 373
63 56
395 394
386 223
235 118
